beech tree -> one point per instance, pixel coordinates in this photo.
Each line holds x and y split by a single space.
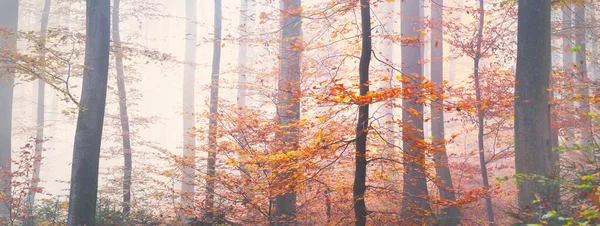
415 205
123 115
362 126
288 105
449 215
9 20
39 136
88 134
189 119
532 116
213 115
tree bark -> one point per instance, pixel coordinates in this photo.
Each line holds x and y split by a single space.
214 107
449 215
88 134
9 18
415 206
39 136
189 119
288 106
532 136
581 63
387 52
481 115
362 126
123 115
567 61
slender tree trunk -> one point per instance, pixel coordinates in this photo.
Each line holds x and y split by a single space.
123 115
9 18
449 215
532 136
242 90
288 106
416 209
362 126
189 119
567 61
387 52
39 136
214 107
88 134
481 116
581 65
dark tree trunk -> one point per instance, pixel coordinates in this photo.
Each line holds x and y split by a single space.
9 18
481 116
532 136
362 126
416 209
214 107
124 117
88 134
39 136
189 119
449 215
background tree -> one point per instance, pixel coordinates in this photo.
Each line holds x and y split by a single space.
39 136
214 108
449 215
288 106
415 205
9 20
189 119
123 115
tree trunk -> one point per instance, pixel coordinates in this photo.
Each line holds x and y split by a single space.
88 134
39 136
532 136
449 215
387 52
9 18
567 61
214 107
242 90
360 174
415 206
189 120
481 116
288 106
581 63
123 115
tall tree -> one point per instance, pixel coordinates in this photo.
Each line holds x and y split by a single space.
387 52
9 18
567 55
415 206
123 115
581 69
360 174
481 113
88 134
189 139
214 107
39 136
532 116
245 25
449 215
288 104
